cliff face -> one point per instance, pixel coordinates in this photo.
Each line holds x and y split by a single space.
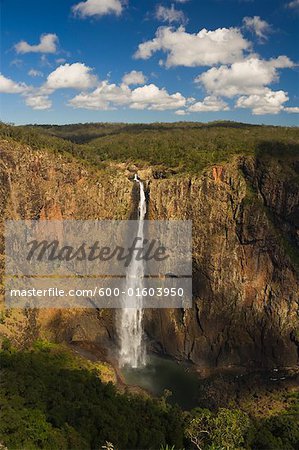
44 185
245 283
245 229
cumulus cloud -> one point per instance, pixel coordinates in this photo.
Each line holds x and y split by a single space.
74 76
97 8
269 102
170 15
39 102
292 109
104 97
151 97
205 48
181 112
8 86
245 77
35 73
48 44
109 96
209 104
69 76
32 97
259 27
294 4
134 77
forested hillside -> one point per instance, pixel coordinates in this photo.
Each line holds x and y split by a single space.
185 147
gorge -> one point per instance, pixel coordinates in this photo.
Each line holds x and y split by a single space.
229 361
245 278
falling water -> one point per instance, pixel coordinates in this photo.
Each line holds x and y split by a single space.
132 351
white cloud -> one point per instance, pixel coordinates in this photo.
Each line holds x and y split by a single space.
60 60
292 109
181 1
73 76
269 102
32 97
133 77
8 86
109 96
39 102
209 104
44 61
151 97
257 26
170 15
293 4
206 48
246 77
35 73
181 112
48 44
98 8
104 97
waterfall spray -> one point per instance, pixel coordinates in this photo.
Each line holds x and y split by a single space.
132 351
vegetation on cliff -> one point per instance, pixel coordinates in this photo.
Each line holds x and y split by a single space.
51 399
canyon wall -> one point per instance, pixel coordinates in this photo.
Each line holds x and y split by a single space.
245 281
245 217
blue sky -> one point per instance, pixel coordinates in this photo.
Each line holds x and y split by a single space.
66 61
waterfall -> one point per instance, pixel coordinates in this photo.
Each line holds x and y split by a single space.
132 351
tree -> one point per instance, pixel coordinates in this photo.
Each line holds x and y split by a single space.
199 427
225 429
230 427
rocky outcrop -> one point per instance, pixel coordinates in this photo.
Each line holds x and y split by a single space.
245 252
